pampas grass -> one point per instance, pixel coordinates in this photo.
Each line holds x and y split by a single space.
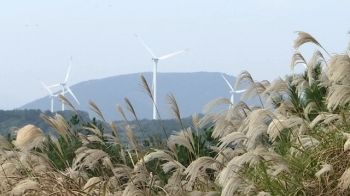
290 144
29 137
303 38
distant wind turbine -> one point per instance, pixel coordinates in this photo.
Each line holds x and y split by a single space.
154 82
232 91
51 95
65 88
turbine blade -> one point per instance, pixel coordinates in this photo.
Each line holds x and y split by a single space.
65 80
55 85
154 56
232 98
47 88
239 91
227 82
70 91
172 54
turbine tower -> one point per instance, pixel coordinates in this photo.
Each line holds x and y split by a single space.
232 91
65 88
154 81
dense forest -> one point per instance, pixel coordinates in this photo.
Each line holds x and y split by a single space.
12 120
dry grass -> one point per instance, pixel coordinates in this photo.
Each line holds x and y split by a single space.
276 148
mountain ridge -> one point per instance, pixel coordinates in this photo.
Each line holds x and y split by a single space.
192 91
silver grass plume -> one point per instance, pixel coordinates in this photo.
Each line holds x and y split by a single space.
67 102
256 125
244 76
24 185
317 57
263 193
347 142
157 154
339 95
145 87
89 139
97 110
232 185
300 83
172 146
344 181
324 119
326 168
278 168
184 138
235 165
160 154
5 144
133 141
224 127
199 165
278 88
256 89
215 103
29 137
323 79
60 125
195 122
227 154
338 70
232 138
56 144
89 157
10 168
122 171
94 129
174 107
130 107
200 193
280 123
91 183
131 189
304 142
285 108
115 131
303 38
239 111
298 59
121 111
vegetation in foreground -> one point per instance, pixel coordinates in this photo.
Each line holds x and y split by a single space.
296 142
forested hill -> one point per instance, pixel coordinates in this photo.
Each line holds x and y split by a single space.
11 120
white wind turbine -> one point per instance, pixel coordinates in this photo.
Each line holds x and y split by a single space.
154 82
65 88
51 95
232 91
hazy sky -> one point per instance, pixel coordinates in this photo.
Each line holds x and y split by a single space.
37 39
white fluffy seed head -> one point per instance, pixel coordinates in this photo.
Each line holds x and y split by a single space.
29 137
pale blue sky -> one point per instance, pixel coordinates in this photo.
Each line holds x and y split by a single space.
37 39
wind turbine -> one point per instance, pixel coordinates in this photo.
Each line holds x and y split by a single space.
232 91
51 95
154 82
65 88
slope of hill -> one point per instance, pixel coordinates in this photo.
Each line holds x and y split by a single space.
191 90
